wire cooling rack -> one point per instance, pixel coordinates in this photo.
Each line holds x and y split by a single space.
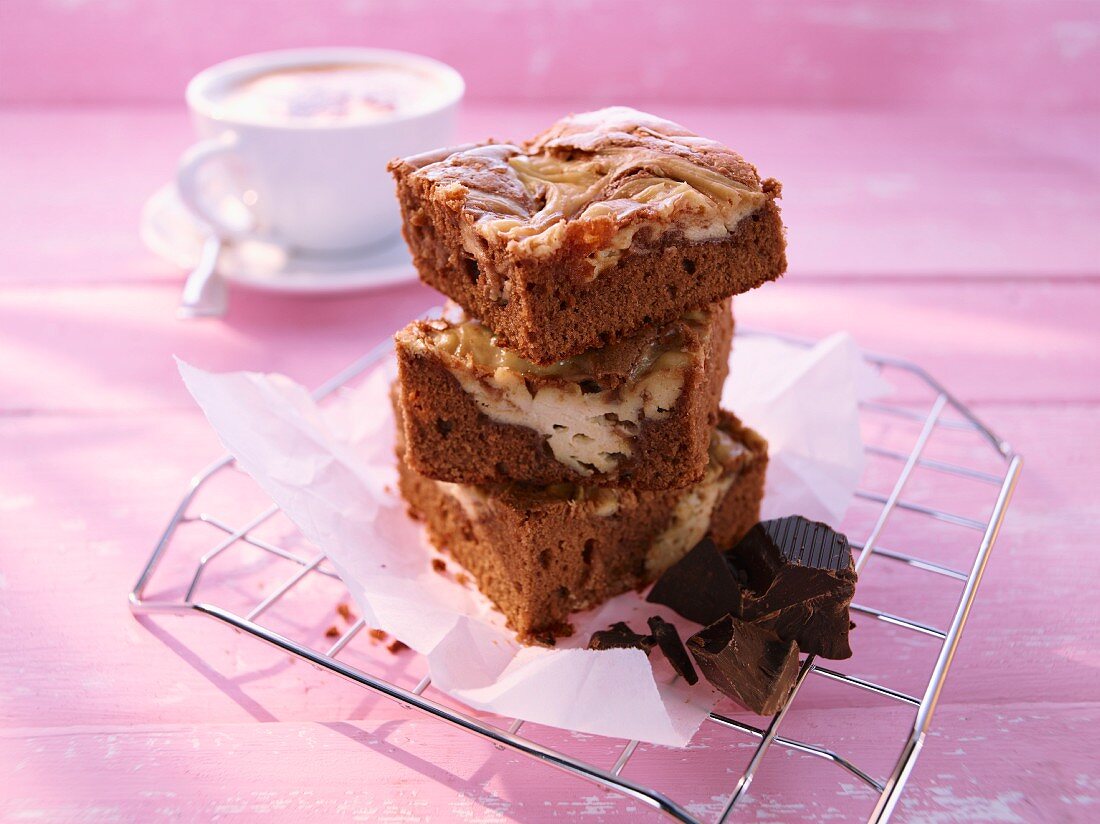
902 481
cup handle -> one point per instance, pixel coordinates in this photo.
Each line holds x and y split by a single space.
189 182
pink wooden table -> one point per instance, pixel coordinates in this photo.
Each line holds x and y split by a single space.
968 244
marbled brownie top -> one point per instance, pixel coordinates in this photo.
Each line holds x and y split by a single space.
591 185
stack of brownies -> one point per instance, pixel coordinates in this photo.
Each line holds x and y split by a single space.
559 427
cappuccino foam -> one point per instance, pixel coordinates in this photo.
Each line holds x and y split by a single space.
330 94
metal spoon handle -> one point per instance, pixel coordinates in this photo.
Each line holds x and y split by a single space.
204 292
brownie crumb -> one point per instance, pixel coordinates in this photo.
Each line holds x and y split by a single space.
439 565
332 632
548 636
396 646
344 611
668 640
377 635
462 579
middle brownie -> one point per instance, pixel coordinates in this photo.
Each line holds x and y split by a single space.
637 413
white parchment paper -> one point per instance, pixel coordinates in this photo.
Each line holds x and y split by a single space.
331 470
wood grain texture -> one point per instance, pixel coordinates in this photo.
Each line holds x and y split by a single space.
1022 55
104 717
105 514
112 346
868 193
217 771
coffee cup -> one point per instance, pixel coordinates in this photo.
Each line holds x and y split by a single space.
294 144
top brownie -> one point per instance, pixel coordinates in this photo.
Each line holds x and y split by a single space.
606 222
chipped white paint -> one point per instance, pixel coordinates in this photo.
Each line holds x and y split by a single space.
952 809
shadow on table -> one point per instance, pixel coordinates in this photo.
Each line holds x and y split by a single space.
474 787
229 686
522 795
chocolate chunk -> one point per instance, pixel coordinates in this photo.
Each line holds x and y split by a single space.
700 586
668 639
799 581
750 664
620 636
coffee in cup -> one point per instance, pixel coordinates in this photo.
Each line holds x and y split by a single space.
295 143
330 94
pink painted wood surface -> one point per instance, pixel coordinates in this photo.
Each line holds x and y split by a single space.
1022 55
907 194
54 337
103 717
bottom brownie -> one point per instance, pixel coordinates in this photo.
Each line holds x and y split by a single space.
541 553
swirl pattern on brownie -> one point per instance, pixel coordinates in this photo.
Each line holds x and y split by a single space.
600 181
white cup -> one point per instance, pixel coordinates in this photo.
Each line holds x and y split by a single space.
311 186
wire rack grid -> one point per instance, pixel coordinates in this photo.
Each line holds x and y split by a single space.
926 416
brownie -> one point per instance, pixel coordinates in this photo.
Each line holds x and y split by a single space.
603 224
541 553
637 413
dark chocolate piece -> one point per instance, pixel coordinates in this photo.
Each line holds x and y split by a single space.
750 664
700 586
800 580
620 636
668 640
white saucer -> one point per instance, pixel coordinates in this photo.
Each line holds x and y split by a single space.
172 233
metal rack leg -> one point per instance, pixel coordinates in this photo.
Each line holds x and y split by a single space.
884 807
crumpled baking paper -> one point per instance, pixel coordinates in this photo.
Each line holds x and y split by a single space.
804 400
331 469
